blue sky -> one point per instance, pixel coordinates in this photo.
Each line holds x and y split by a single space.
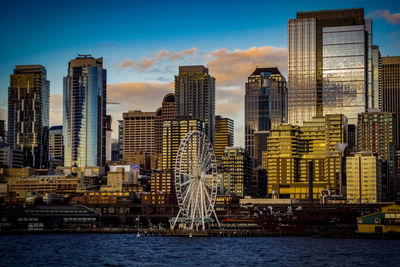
216 33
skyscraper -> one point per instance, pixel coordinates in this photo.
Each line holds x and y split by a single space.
56 146
173 132
376 133
195 96
84 114
139 133
265 103
391 90
28 114
237 171
364 178
164 113
108 137
376 93
224 137
330 68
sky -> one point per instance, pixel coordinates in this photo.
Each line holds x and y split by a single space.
144 42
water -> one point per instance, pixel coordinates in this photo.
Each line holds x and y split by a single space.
128 250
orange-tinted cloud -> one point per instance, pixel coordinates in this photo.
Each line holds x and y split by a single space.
147 62
56 110
233 68
393 18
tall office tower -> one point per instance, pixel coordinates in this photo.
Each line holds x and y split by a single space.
376 93
56 145
223 137
364 178
330 64
265 103
108 137
84 116
120 139
173 132
260 147
3 130
195 96
237 171
139 132
28 114
291 148
164 113
115 150
391 90
376 133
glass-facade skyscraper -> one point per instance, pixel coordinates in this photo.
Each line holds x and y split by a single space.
28 114
84 113
330 64
265 103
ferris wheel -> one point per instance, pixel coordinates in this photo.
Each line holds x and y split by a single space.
195 181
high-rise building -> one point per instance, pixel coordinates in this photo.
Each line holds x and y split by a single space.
391 90
223 137
84 115
364 178
290 149
260 146
265 103
376 89
173 132
28 114
164 113
330 68
139 133
108 137
3 131
10 158
56 145
237 171
195 96
120 139
376 133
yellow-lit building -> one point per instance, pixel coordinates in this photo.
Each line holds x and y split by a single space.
173 132
223 137
237 171
364 180
291 148
385 221
42 185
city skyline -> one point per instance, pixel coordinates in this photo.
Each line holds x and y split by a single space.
146 58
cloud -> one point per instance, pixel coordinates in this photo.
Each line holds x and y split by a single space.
231 68
3 114
162 55
385 14
56 110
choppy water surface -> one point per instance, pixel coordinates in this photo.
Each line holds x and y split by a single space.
128 250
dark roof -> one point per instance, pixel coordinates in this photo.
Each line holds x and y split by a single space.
54 128
271 70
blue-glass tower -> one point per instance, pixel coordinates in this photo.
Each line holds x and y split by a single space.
84 115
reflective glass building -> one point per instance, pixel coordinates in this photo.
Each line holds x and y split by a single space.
84 117
265 103
330 64
28 114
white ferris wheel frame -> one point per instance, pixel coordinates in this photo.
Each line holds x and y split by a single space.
195 181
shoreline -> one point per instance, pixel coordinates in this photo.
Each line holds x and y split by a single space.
206 233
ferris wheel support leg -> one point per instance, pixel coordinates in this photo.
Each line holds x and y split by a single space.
176 219
212 207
